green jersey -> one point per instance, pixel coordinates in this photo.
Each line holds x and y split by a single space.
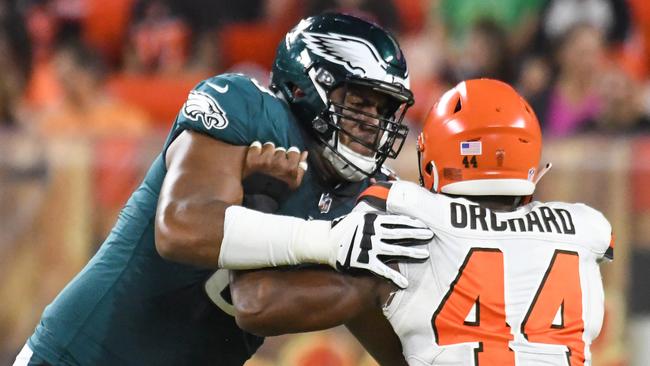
129 306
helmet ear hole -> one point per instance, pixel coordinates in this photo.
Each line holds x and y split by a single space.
458 107
296 92
428 168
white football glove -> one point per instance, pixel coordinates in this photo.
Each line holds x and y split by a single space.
361 240
366 240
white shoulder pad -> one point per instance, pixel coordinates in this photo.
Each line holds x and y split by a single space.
592 229
407 198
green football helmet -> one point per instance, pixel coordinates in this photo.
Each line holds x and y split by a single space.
330 51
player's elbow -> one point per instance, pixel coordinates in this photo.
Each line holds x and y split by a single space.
256 323
254 302
172 241
167 247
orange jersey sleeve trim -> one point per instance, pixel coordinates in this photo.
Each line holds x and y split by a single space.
376 191
376 195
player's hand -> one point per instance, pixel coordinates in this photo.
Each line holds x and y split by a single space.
366 240
286 165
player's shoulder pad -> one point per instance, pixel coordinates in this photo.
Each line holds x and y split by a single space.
411 199
225 106
591 227
376 195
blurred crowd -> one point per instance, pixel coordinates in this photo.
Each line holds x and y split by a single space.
92 67
116 72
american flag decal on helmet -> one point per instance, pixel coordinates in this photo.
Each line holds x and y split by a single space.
471 148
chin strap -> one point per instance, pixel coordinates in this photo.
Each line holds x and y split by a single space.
524 200
542 172
349 164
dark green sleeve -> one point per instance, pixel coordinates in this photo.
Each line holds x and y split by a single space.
225 107
236 110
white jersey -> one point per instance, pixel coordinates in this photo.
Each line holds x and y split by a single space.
500 288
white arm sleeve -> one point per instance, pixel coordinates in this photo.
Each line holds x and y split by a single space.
253 239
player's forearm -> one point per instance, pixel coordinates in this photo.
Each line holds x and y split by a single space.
191 232
203 178
267 301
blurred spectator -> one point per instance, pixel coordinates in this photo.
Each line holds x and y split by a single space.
641 19
610 17
255 42
434 65
113 127
485 53
516 17
21 159
412 15
14 68
159 39
85 107
161 96
104 26
428 56
42 26
622 110
13 30
572 100
210 15
205 57
535 77
282 13
23 174
382 12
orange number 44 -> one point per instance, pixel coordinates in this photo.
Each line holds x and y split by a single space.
479 286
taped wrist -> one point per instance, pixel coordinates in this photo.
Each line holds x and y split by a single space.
252 239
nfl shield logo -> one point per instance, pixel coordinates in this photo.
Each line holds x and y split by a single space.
325 203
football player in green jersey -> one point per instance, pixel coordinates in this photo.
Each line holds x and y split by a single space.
150 296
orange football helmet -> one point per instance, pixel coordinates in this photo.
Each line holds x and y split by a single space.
481 138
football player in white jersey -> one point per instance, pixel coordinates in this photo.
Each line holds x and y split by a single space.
508 281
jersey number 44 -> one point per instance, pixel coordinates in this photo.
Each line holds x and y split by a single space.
553 317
